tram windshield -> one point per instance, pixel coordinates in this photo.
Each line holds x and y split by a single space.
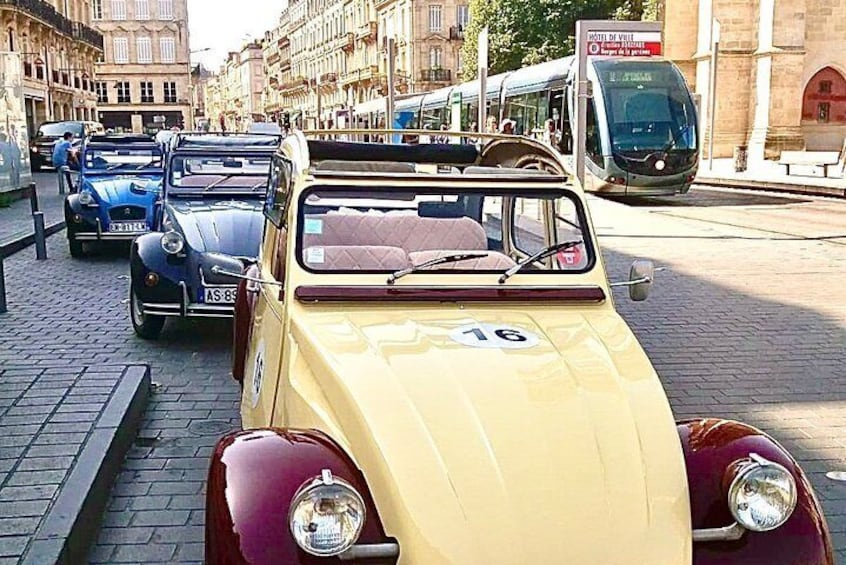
648 106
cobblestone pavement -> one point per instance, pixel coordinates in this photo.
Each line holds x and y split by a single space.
16 220
745 323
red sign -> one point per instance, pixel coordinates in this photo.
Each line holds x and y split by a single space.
624 43
570 258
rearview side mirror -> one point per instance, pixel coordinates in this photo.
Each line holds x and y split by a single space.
641 276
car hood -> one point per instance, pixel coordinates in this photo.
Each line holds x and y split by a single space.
231 227
123 190
565 451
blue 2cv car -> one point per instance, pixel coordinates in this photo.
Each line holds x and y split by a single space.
119 186
213 193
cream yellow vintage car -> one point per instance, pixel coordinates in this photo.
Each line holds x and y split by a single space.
433 372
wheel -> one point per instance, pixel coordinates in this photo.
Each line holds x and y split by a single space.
145 325
77 249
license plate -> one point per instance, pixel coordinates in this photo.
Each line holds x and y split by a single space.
127 227
222 295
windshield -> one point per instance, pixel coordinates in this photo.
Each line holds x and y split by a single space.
59 128
219 173
390 230
648 106
121 159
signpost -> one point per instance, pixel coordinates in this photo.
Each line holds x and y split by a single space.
598 38
482 47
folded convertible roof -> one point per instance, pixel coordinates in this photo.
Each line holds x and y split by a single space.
441 154
121 138
227 140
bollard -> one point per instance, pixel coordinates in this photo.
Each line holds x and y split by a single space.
40 237
2 287
33 198
60 171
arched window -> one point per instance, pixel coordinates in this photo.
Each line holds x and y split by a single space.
824 100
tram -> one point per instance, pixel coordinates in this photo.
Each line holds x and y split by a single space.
642 125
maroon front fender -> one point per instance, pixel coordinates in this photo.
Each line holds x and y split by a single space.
242 324
710 446
253 477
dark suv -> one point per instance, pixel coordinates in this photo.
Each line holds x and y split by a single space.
41 145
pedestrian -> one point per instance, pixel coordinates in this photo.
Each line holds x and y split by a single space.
491 125
551 135
473 139
443 137
6 156
64 157
15 156
507 127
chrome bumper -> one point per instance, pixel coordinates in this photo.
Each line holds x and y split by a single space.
187 309
100 235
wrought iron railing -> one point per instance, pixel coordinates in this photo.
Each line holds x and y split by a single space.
435 75
45 12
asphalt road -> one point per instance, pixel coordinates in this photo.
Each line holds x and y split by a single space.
747 322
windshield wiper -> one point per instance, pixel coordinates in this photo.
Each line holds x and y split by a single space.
676 136
219 181
542 254
150 164
439 261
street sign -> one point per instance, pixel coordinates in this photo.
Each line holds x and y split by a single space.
624 43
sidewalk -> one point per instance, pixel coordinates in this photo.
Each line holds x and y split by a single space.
16 220
769 175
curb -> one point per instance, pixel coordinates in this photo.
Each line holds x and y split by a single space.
72 524
807 189
25 241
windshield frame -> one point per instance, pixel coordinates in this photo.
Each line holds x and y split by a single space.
483 189
202 192
76 128
681 125
155 149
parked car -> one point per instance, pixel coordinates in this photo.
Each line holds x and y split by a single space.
213 191
41 145
436 373
119 187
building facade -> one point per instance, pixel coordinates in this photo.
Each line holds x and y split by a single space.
143 82
59 49
199 77
235 97
781 70
338 53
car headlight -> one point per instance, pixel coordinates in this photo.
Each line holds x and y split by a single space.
87 199
34 148
172 242
326 516
762 495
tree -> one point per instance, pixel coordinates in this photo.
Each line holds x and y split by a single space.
527 32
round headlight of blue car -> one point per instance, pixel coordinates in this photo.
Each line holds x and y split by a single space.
87 199
172 242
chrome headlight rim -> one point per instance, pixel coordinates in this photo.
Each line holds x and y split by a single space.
745 469
86 198
177 241
307 491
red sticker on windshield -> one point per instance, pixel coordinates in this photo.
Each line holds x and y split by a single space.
571 257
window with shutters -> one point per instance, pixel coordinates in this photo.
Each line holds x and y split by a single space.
121 48
123 93
96 9
142 10
102 92
145 50
165 9
170 92
167 46
146 91
118 9
435 23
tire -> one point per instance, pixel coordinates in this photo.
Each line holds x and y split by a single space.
77 249
145 325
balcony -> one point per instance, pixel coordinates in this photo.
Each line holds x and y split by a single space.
368 32
349 43
456 33
297 82
328 78
45 12
435 75
273 58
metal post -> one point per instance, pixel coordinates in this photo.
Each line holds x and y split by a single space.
33 198
2 287
319 103
482 46
581 104
712 90
389 101
40 236
61 176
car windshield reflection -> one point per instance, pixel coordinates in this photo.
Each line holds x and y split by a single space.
214 173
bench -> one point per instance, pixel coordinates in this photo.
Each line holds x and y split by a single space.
821 159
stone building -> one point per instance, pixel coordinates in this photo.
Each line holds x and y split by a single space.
234 97
338 52
58 48
781 71
276 53
144 79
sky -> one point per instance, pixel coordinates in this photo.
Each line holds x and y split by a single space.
225 25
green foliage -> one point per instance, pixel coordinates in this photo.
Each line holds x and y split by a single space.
527 32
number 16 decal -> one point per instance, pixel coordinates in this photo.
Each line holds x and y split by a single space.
494 336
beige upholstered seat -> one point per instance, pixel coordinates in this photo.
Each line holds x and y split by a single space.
493 261
408 231
356 258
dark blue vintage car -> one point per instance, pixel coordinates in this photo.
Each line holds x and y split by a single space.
119 189
211 215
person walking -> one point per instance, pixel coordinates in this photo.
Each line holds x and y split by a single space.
63 159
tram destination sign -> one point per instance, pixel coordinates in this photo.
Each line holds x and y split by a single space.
624 43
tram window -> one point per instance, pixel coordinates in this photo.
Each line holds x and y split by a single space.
593 145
